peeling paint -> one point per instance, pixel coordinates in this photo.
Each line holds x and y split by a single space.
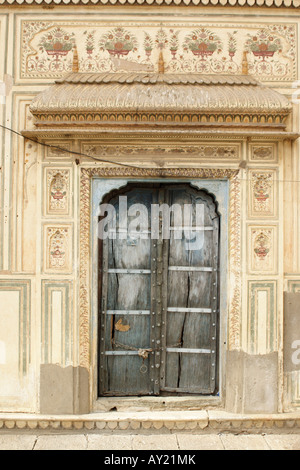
120 327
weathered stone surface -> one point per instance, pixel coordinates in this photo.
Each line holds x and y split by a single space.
291 331
16 442
234 374
61 442
60 388
283 442
253 383
154 442
261 383
199 442
243 442
104 442
127 441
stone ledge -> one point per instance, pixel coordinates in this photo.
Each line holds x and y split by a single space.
142 422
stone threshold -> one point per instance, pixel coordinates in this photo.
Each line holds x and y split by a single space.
204 421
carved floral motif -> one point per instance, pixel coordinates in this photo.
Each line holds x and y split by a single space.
262 153
215 152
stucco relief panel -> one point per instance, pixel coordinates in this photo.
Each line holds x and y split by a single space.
58 184
3 32
262 327
262 193
294 285
57 320
262 249
214 48
263 153
209 151
15 343
57 150
58 241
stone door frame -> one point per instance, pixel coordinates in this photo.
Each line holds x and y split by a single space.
217 181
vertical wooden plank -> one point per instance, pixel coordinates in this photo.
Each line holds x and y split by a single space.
159 299
154 334
215 306
128 290
164 268
103 375
187 289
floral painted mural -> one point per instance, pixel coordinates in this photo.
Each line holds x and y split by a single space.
203 43
47 48
118 42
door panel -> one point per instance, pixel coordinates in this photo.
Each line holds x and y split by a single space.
184 373
159 306
190 319
126 307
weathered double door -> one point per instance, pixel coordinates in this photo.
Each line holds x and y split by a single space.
158 289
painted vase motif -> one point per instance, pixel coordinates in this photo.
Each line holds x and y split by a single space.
118 42
263 44
203 43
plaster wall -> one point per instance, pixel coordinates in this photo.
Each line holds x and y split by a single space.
40 296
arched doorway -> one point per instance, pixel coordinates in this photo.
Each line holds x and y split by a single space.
158 291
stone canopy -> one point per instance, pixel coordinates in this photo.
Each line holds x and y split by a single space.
142 100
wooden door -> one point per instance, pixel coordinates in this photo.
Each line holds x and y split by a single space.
159 298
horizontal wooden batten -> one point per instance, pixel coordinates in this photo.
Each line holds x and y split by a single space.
189 310
198 391
128 271
128 232
190 268
121 353
189 351
128 312
191 228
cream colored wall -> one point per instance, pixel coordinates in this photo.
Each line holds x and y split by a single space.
37 294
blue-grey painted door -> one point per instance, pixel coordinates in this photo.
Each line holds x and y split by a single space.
159 295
